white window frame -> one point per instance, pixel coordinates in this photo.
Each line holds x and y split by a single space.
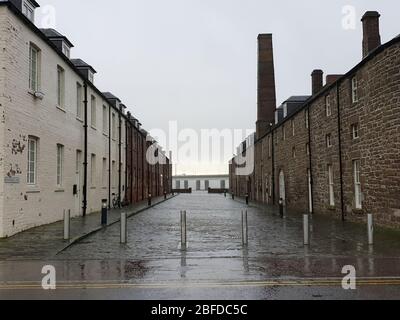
293 128
306 115
294 152
307 148
28 11
355 131
105 175
32 161
105 119
34 68
354 89
60 164
79 101
91 76
285 110
357 184
328 105
93 170
93 113
331 186
60 87
66 50
329 140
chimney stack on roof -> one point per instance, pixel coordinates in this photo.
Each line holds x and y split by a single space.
266 104
371 35
317 81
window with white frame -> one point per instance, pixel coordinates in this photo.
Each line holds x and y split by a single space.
60 164
93 170
114 127
354 89
355 131
293 128
32 161
306 116
66 50
331 186
79 101
294 152
285 110
328 141
91 76
105 119
357 184
328 106
34 68
60 86
28 10
104 173
308 149
93 116
283 133
269 146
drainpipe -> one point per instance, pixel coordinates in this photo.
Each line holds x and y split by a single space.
109 156
85 153
119 153
340 150
310 159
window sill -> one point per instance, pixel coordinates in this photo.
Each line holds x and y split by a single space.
358 211
59 190
79 119
93 127
104 188
331 208
33 191
92 188
61 109
105 134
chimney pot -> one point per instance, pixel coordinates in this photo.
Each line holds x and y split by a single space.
371 33
317 81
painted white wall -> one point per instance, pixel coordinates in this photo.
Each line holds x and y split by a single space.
23 115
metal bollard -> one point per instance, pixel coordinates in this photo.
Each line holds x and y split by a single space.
370 229
124 225
165 195
306 225
281 213
247 199
233 196
67 219
104 212
183 230
245 229
149 200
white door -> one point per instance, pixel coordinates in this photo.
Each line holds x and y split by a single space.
282 192
78 182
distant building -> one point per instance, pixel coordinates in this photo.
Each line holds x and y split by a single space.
200 182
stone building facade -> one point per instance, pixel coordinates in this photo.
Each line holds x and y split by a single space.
64 144
338 152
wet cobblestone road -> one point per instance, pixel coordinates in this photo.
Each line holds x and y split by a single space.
216 265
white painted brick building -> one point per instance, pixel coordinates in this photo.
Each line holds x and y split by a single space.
51 129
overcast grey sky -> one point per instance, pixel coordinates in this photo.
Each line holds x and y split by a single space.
194 61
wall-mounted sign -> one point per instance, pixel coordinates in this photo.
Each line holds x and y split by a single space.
13 180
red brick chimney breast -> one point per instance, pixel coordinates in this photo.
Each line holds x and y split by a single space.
371 34
266 102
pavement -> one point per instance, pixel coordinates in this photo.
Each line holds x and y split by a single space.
274 265
47 241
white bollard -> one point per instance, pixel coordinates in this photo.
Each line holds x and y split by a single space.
124 231
370 229
306 225
67 218
183 230
245 229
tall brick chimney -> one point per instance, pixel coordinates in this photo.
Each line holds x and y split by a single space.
371 35
266 85
317 81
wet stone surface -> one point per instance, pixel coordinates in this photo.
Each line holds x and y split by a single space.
215 257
